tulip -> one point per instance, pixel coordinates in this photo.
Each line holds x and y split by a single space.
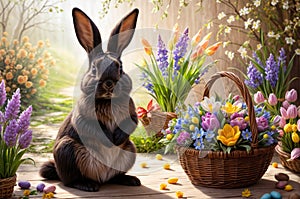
282 122
291 96
272 99
298 110
210 122
285 104
276 120
259 97
196 38
212 49
175 36
147 47
283 113
287 128
298 124
295 137
295 153
292 111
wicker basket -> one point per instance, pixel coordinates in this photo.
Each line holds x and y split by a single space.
7 186
156 122
293 165
223 170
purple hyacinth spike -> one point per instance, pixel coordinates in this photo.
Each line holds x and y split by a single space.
25 139
24 120
180 49
255 77
10 134
13 106
2 93
282 59
162 56
272 70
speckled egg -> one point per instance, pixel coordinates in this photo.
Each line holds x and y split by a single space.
275 195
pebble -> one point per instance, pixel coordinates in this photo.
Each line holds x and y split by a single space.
24 184
275 195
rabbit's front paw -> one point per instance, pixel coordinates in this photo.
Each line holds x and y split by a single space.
120 137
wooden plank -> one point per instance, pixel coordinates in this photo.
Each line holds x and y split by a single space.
151 177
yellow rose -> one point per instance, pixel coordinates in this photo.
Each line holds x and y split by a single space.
28 84
21 79
229 135
230 108
42 83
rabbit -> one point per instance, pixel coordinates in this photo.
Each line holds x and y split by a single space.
92 146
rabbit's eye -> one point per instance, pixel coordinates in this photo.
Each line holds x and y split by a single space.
94 70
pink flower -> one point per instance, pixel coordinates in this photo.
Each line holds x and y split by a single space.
283 113
281 132
262 124
259 97
298 125
285 104
276 120
282 122
291 95
272 99
210 122
292 111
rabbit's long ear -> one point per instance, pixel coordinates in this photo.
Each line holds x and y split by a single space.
123 33
87 33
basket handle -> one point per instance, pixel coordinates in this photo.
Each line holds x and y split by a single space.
245 94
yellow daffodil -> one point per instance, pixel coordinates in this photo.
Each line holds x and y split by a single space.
229 135
246 193
229 108
288 128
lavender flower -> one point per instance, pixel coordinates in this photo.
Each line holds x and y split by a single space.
2 93
24 120
162 56
255 77
25 139
272 70
10 135
13 106
257 60
282 59
183 138
180 49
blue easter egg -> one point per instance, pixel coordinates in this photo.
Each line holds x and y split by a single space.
266 196
275 195
24 184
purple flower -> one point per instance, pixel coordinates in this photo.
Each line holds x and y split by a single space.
291 96
24 120
240 122
2 93
162 56
272 70
2 119
10 134
25 139
13 106
258 60
270 139
183 138
282 59
210 122
292 111
262 124
272 99
247 135
255 77
180 49
259 97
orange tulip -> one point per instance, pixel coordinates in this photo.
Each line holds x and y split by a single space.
199 49
196 38
147 47
212 49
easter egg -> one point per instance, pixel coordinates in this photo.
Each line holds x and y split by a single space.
282 177
158 157
281 184
40 187
266 196
166 166
50 188
275 195
179 194
24 184
172 180
288 187
163 186
143 165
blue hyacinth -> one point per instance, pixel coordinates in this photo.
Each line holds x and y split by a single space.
180 49
2 93
272 71
13 106
282 59
10 134
162 56
255 77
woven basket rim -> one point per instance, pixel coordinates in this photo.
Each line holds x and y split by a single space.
286 155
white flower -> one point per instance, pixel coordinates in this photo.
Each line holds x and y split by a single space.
256 3
244 11
271 34
248 23
287 28
210 104
258 46
229 54
242 51
221 15
218 1
289 40
274 2
225 44
297 51
230 19
227 30
285 5
256 24
277 36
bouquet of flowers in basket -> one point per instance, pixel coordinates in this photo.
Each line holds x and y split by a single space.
289 125
220 126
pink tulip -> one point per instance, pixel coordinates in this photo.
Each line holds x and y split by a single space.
283 113
276 120
291 95
285 104
295 153
259 97
282 122
272 99
281 132
292 111
298 125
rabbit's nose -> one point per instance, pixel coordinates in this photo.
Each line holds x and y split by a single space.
108 84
